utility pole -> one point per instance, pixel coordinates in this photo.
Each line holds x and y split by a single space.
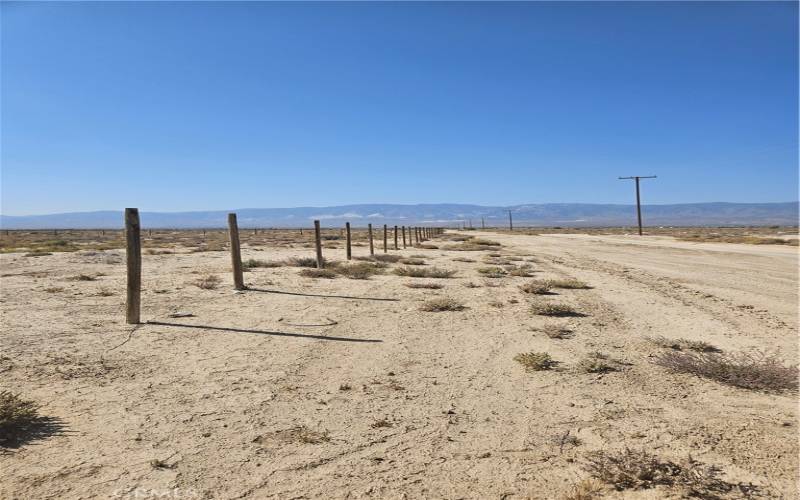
638 198
510 222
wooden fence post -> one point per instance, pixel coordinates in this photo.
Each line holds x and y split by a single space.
236 252
404 236
349 250
385 247
371 245
318 243
395 239
134 263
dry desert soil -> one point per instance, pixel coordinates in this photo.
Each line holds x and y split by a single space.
344 388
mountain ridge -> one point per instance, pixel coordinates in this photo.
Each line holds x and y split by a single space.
444 214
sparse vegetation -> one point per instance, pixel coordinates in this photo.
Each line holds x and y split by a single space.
317 273
684 344
755 370
253 263
535 361
430 272
586 489
432 286
462 259
37 254
536 287
441 304
522 272
208 282
378 424
638 470
82 277
17 416
359 270
555 331
597 362
412 262
492 272
553 309
302 262
568 283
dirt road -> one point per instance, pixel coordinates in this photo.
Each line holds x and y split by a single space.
324 391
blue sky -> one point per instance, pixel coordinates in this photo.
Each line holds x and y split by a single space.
189 106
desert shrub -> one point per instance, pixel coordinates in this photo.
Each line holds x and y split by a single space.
82 277
432 286
586 489
536 287
252 263
492 272
208 282
684 344
412 262
597 362
16 416
749 370
360 270
521 272
462 259
430 272
638 470
37 254
441 304
551 309
535 361
426 246
317 273
481 241
568 283
555 331
302 262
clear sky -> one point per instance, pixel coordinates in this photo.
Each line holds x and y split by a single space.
190 106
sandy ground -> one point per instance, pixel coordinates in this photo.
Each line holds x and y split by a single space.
249 398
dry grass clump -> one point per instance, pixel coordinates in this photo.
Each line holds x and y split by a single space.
492 272
317 273
426 246
521 272
552 309
473 245
37 254
252 263
432 286
462 259
569 283
597 362
208 282
555 331
430 272
441 304
360 270
586 489
16 416
412 262
639 470
684 345
302 262
82 277
536 287
748 240
378 424
535 361
385 257
755 370
484 242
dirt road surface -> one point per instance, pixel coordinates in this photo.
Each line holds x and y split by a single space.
314 388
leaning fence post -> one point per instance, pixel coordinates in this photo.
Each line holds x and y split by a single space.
236 252
404 236
318 243
134 264
347 230
385 248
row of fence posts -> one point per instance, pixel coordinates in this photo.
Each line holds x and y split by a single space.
134 253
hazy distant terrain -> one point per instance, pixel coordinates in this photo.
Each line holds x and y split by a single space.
551 214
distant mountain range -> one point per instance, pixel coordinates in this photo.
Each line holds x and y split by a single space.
443 214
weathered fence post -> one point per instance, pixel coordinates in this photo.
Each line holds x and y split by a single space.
371 245
236 252
404 236
385 247
134 264
318 243
395 239
347 231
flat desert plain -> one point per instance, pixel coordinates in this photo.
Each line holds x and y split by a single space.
346 388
